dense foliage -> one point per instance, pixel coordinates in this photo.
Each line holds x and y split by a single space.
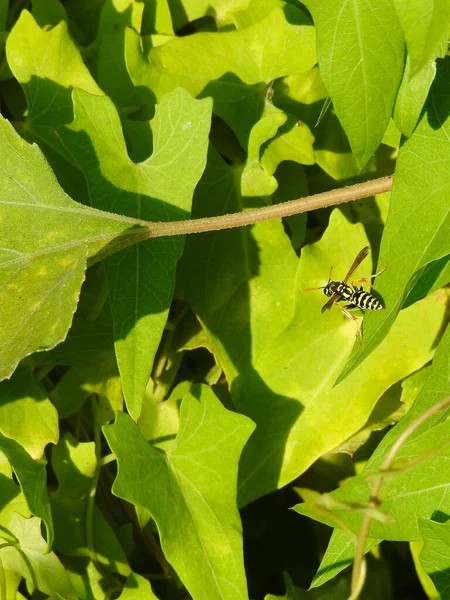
166 400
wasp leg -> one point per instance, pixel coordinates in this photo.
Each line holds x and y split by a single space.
365 281
344 310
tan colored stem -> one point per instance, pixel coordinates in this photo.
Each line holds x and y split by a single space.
276 211
376 487
152 229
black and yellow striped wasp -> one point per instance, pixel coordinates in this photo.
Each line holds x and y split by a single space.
353 294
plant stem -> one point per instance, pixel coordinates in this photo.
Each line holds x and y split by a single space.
2 582
376 486
150 229
275 211
93 490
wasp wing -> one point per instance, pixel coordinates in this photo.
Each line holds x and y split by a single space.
330 302
358 260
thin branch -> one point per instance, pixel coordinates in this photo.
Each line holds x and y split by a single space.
276 211
152 229
374 500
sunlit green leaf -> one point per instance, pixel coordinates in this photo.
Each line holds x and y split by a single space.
411 97
281 356
137 588
26 413
12 499
412 494
425 25
34 57
46 241
435 556
75 466
419 204
32 477
141 278
190 492
28 557
351 37
234 67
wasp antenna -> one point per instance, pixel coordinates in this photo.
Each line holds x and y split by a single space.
312 289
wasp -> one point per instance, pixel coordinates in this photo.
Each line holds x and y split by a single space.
355 295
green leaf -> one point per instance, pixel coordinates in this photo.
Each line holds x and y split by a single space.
190 10
429 279
75 466
157 18
425 25
48 12
141 278
28 557
89 351
419 203
305 96
112 60
351 37
233 67
32 476
84 15
13 580
137 588
12 499
190 492
338 556
427 584
411 494
426 484
89 580
35 57
411 96
256 181
280 355
46 241
26 414
294 143
435 556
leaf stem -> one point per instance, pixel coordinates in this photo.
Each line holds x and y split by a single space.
105 460
93 490
275 211
151 229
2 582
358 563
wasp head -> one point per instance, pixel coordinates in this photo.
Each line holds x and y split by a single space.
330 288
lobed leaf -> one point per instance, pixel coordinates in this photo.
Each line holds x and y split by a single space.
46 241
32 476
412 494
29 558
435 555
75 466
141 279
190 492
425 26
235 68
137 588
26 413
416 232
351 39
281 356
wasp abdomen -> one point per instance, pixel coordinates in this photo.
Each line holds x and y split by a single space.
365 300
